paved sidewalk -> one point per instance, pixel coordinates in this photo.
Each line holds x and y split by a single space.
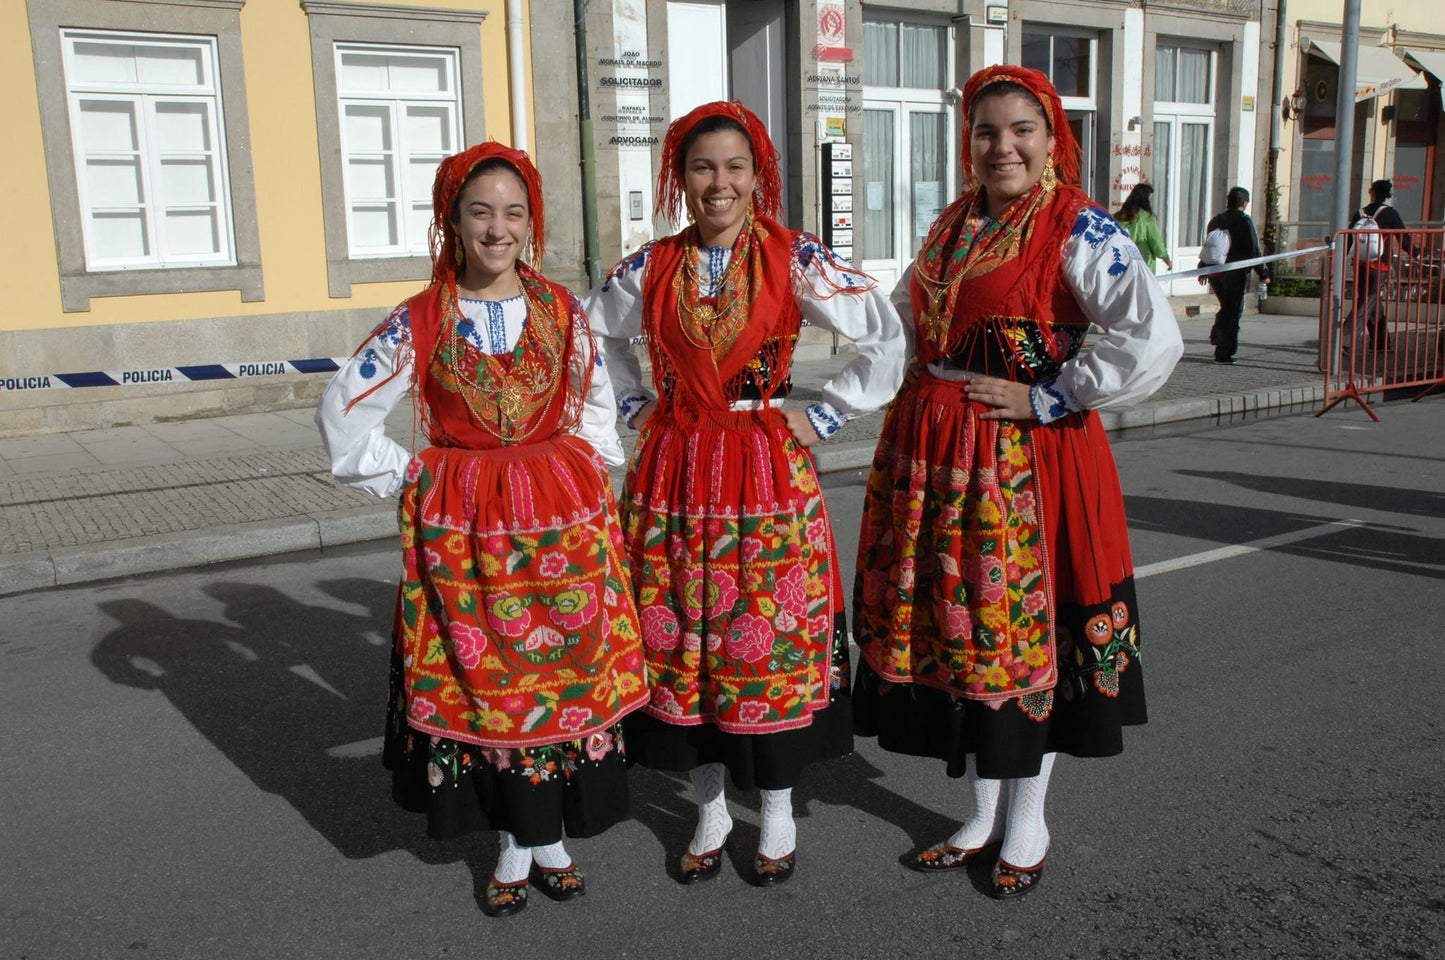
92 505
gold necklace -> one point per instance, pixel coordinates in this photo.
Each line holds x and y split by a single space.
502 396
715 326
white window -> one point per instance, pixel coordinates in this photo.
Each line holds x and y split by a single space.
145 119
1070 60
1184 95
400 116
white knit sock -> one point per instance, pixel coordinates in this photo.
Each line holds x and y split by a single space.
515 862
1027 838
780 833
713 821
553 856
986 825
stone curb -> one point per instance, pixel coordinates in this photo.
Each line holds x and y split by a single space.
90 563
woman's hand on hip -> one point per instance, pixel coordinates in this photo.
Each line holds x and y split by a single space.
801 427
644 415
1008 398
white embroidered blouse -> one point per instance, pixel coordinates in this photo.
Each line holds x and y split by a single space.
866 317
364 457
1114 287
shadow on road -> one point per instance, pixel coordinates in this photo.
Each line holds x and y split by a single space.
294 696
1377 546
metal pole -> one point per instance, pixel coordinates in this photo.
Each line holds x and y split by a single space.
1271 207
589 154
1345 116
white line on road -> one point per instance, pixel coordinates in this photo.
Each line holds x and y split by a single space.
1239 549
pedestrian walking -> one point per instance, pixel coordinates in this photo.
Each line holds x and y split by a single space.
517 646
995 606
731 549
1372 260
1136 216
1229 286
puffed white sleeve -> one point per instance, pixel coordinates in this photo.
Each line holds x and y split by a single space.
614 310
851 304
353 410
599 414
1140 344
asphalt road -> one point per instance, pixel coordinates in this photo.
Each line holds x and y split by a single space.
190 770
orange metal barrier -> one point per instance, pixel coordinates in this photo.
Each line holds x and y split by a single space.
1381 320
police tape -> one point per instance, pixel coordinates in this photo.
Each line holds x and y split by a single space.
156 375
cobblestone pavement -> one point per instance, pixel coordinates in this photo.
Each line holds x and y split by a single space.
94 504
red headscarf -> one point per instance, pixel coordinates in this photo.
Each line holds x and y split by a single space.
1066 148
451 174
767 192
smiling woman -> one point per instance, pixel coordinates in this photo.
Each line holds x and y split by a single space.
996 614
517 645
724 523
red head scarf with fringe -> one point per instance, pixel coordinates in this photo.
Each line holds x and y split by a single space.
974 267
1066 148
452 173
767 191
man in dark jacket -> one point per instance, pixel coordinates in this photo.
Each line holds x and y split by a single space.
1229 286
1370 273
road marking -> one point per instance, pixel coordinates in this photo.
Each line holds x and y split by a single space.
1240 549
361 748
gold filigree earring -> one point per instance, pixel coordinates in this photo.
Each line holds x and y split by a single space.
460 253
1049 179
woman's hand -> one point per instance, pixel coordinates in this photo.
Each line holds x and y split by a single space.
1168 264
1008 398
801 427
644 415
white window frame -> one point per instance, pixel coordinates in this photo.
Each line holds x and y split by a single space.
1177 113
145 99
395 103
1074 105
903 102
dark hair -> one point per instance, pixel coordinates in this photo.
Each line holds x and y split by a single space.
717 123
1381 189
1137 200
1004 88
1237 198
491 165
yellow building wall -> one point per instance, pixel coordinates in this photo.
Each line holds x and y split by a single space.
281 105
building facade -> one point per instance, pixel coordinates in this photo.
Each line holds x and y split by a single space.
1398 134
241 183
201 182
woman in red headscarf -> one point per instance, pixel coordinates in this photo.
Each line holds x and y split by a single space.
994 601
731 551
517 642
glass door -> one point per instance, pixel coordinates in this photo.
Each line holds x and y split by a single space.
908 178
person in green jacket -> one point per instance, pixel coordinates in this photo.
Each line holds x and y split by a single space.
1136 216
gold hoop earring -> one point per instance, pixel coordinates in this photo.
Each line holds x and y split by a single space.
1049 179
460 253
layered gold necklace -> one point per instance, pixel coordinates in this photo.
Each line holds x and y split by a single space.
504 392
713 323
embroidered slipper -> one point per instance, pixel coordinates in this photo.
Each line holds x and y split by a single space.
504 899
773 872
562 883
1010 882
944 856
697 867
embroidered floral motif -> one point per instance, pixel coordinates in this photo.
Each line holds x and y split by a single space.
824 418
634 261
1037 705
1095 225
